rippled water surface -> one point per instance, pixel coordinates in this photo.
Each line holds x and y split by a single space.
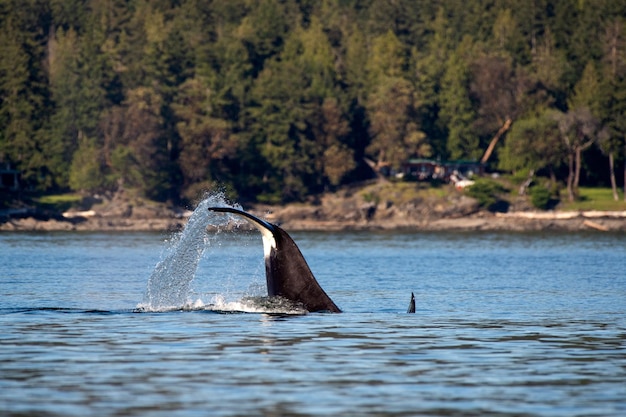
506 324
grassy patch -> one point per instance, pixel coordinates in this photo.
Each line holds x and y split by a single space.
58 202
402 192
594 199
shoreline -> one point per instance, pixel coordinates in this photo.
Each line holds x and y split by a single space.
301 220
480 222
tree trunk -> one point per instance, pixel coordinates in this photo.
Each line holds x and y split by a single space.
612 174
526 184
577 169
570 177
494 141
624 172
374 166
577 166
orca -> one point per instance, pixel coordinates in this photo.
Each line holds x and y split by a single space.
411 308
286 271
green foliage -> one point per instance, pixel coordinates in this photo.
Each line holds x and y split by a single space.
86 169
387 57
279 99
597 198
370 197
539 197
59 202
587 91
395 135
457 110
23 96
75 86
124 167
534 143
487 192
206 139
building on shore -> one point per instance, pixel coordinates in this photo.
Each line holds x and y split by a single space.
422 169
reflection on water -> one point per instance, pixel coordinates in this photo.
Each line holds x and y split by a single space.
514 325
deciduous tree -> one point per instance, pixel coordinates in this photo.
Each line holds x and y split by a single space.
533 144
579 129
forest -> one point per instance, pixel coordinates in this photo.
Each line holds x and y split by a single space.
275 100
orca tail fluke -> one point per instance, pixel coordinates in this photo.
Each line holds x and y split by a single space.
286 272
411 308
259 223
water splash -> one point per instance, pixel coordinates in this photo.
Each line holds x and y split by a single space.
170 283
257 304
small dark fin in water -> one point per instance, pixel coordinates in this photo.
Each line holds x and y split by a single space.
411 304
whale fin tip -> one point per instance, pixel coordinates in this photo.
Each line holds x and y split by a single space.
411 308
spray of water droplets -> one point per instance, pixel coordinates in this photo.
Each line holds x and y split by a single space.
169 285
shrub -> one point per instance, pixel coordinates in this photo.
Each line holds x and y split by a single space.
487 193
539 197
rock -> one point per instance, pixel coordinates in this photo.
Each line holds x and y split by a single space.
367 211
372 206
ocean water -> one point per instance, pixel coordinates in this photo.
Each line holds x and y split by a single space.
505 325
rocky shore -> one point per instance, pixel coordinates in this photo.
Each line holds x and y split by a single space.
306 218
351 209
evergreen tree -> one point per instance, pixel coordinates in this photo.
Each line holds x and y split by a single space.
549 66
354 65
408 20
495 89
387 58
206 139
278 126
23 93
587 91
264 29
395 135
85 173
391 106
336 159
76 85
614 88
138 155
457 111
507 38
270 96
428 67
287 116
